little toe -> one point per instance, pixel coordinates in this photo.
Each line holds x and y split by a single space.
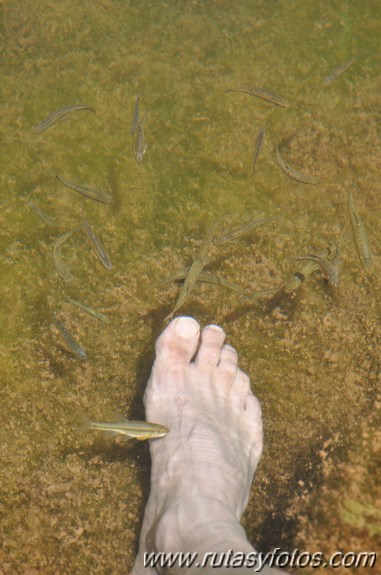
178 342
253 409
253 415
212 339
228 363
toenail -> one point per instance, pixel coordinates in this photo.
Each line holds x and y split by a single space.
214 327
186 327
228 347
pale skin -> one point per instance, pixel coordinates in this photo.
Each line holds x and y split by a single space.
203 469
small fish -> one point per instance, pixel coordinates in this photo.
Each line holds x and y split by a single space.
360 237
263 94
86 308
58 114
42 215
74 346
193 272
241 230
296 281
292 173
57 257
139 430
140 145
177 276
206 277
203 277
258 147
97 245
97 195
135 118
330 269
337 72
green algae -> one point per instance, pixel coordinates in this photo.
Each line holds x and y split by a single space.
362 516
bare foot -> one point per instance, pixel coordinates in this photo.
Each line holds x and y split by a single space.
203 469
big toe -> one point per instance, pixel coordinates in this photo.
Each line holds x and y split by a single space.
178 343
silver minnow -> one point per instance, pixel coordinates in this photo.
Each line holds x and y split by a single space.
139 430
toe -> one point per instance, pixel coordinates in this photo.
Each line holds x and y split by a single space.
212 339
253 415
228 363
240 390
178 342
253 409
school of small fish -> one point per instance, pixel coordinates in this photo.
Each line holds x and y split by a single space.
328 262
140 430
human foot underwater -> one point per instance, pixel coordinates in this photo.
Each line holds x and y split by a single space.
203 469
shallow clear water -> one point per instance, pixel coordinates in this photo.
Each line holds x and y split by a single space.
73 503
